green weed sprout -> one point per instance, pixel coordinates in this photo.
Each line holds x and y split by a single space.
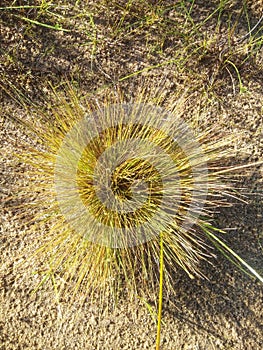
123 193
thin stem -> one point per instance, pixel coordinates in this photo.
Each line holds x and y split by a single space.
235 255
251 30
160 302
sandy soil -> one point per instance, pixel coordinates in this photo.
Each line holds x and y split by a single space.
224 311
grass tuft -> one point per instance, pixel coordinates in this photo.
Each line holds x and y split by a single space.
100 232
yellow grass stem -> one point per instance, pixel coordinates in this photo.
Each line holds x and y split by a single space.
160 302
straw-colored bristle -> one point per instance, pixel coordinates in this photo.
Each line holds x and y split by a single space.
108 178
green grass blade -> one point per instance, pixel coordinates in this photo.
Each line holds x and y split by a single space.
56 27
226 248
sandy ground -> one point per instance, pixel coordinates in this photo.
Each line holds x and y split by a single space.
224 311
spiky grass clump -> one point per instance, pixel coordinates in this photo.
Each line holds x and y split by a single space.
109 180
